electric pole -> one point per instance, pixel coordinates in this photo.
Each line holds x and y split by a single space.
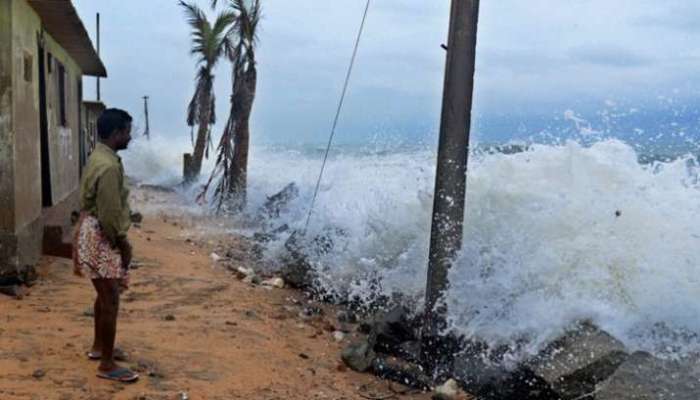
450 179
98 54
147 132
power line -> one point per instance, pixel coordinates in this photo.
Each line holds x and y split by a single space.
337 113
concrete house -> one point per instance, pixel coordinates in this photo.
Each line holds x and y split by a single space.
44 53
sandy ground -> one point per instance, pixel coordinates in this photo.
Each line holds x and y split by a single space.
192 330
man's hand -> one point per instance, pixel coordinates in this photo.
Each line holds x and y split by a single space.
126 251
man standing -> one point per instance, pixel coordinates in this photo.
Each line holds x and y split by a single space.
101 247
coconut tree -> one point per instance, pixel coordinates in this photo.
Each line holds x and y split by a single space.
209 43
232 159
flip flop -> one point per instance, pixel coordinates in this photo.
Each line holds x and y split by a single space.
118 354
123 375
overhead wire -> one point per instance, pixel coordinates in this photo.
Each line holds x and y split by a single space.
337 114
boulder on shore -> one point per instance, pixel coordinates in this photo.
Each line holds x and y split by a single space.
390 329
568 368
359 356
577 361
645 377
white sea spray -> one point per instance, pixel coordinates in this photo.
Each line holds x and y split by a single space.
554 234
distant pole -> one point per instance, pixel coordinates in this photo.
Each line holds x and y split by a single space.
147 132
450 180
98 54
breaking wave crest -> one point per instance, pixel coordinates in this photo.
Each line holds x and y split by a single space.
553 234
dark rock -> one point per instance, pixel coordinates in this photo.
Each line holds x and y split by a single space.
266 237
406 373
10 278
304 356
39 373
169 317
390 329
574 363
480 370
16 291
410 351
278 202
28 275
645 377
346 316
359 356
136 217
297 270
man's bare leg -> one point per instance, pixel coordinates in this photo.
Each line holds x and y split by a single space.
97 310
106 326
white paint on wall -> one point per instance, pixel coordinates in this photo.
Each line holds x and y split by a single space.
65 142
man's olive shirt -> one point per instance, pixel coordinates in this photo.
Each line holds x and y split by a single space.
103 192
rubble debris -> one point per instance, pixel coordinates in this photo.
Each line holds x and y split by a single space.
447 391
39 373
338 336
274 282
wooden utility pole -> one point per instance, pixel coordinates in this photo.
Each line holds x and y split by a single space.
450 180
98 54
147 132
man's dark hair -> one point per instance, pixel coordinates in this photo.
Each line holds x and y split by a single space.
112 119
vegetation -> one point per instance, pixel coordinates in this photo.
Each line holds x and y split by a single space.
209 44
232 158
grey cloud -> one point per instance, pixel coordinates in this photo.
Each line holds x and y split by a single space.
608 57
682 16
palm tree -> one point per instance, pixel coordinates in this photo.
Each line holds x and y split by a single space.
232 160
209 43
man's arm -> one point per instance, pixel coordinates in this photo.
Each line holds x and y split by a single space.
109 211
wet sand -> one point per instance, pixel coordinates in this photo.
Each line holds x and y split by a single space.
192 330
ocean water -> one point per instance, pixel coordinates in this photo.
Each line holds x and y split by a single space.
556 233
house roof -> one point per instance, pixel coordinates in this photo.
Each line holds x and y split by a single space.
62 22
94 105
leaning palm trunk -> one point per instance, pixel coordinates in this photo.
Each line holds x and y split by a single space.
238 175
202 138
232 158
209 43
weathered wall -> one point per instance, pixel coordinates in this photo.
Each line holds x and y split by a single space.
64 141
26 25
23 217
6 136
8 242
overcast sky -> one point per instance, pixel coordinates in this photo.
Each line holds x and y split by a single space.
623 66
